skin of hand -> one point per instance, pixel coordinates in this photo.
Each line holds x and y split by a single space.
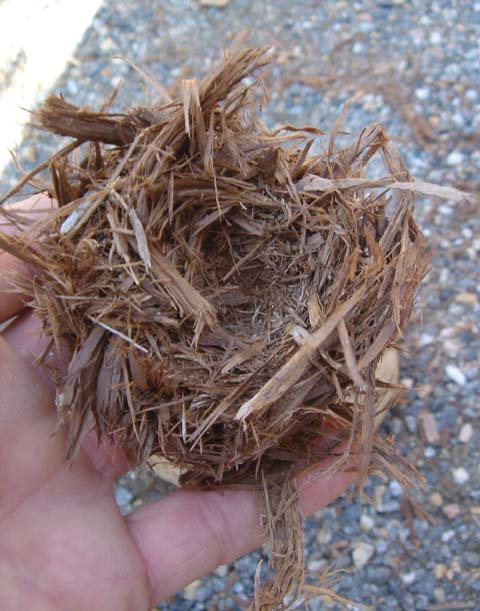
64 544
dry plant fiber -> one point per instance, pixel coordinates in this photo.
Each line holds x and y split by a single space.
225 295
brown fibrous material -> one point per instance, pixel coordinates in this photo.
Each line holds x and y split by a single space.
224 294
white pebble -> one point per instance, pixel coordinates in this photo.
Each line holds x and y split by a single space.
362 553
444 274
366 522
456 375
191 590
409 578
422 93
435 38
323 536
222 570
426 339
357 48
395 488
317 565
448 535
429 452
123 496
460 475
455 158
107 45
72 87
466 433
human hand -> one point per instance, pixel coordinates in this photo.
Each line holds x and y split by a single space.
63 541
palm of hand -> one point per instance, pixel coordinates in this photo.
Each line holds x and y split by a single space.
63 542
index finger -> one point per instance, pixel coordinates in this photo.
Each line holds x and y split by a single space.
11 302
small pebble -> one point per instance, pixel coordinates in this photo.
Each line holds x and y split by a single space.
467 298
460 476
436 499
378 494
190 591
366 522
472 558
439 594
455 158
456 375
362 553
72 87
439 570
466 433
238 588
422 93
323 536
426 339
409 578
318 564
429 452
222 570
107 45
358 47
444 273
454 567
451 510
448 535
123 496
379 574
29 154
395 488
411 423
389 507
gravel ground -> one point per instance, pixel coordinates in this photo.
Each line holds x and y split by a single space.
415 68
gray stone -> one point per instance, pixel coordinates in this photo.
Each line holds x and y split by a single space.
389 507
421 601
123 496
379 574
471 558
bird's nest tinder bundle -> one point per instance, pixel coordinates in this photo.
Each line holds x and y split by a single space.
224 296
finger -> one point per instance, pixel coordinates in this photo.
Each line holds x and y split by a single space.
26 338
189 533
29 455
32 451
12 303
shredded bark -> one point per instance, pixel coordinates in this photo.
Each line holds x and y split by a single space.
224 294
